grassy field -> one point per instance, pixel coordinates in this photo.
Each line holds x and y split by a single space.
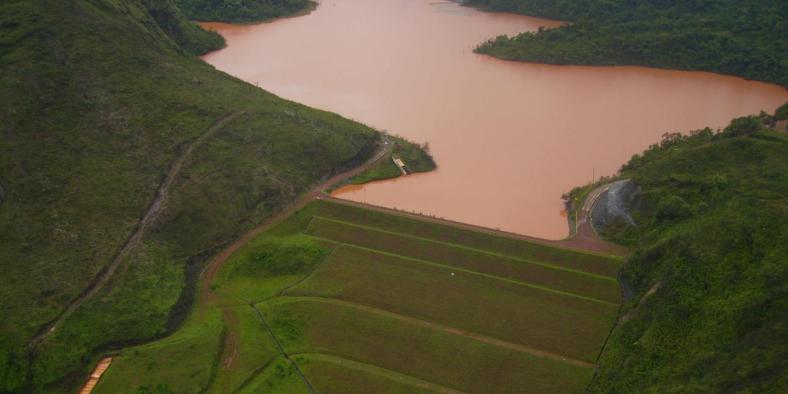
357 377
593 263
531 317
442 358
535 273
305 305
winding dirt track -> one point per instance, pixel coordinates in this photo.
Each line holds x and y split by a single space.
155 207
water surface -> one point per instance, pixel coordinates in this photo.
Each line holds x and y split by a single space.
509 138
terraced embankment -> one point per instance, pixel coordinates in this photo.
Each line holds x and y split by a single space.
338 298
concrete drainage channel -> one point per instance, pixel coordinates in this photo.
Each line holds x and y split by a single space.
93 380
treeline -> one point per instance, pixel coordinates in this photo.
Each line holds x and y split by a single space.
708 272
240 10
747 38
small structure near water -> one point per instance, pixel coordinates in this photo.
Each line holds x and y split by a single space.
400 164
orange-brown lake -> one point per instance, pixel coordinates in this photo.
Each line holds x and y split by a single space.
509 138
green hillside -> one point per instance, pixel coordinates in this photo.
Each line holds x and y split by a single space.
339 298
242 11
709 272
748 38
125 162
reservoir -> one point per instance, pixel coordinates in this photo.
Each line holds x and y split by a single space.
509 138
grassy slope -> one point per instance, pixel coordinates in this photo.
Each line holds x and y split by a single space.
533 317
241 10
339 347
463 258
99 98
592 263
452 361
712 246
745 38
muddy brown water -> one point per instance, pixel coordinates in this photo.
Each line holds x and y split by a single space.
509 138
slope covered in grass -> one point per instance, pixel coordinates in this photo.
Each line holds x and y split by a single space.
709 271
748 38
102 101
301 312
241 10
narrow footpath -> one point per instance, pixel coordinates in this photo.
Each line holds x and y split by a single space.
154 208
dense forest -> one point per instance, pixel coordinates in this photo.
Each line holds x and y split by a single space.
108 115
708 273
241 10
747 38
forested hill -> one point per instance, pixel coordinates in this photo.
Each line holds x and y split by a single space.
107 118
241 10
709 270
747 38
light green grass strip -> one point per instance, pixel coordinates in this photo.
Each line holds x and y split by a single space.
435 326
414 217
452 268
526 261
376 370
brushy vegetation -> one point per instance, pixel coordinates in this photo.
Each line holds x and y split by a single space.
241 11
99 99
416 158
709 271
748 38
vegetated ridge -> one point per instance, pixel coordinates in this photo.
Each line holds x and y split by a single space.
746 38
241 11
709 269
102 99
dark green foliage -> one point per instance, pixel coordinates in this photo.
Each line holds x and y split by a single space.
672 208
241 10
709 272
743 126
158 389
99 98
281 256
782 112
746 38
